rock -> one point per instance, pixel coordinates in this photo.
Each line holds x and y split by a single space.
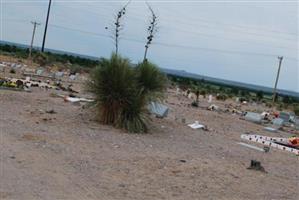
52 111
256 165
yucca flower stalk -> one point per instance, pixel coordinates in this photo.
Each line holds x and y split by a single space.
118 26
152 29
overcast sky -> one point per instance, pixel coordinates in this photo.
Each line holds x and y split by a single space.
232 40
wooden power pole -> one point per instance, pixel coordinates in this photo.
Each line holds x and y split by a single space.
35 24
277 77
46 26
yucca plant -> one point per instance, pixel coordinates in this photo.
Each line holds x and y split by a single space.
151 80
123 92
133 117
113 85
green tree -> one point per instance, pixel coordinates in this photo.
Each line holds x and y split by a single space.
203 93
260 95
287 99
296 110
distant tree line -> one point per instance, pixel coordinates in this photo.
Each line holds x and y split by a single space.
224 91
47 58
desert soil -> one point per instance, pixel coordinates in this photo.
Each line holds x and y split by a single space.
69 155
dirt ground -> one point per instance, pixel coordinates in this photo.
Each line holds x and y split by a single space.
68 155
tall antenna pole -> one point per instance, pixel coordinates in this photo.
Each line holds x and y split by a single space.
35 24
46 26
277 77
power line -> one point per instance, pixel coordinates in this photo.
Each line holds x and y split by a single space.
208 26
174 45
78 30
226 25
231 39
231 25
208 35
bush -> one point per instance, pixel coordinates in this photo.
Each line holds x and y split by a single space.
75 69
280 106
269 104
194 104
12 71
123 92
221 97
260 95
296 110
203 93
41 59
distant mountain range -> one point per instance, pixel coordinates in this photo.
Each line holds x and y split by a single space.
181 73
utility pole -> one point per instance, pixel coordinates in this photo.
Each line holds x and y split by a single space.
46 26
35 24
277 77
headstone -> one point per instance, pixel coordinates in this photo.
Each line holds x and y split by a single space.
278 122
158 109
39 71
253 117
177 91
2 68
59 74
270 129
297 123
285 116
73 77
210 98
292 117
190 96
29 70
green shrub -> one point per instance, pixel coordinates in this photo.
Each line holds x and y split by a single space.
269 104
194 104
280 106
75 69
41 59
12 71
221 97
123 92
203 93
260 95
230 95
296 110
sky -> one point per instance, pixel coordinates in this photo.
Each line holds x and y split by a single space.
233 40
